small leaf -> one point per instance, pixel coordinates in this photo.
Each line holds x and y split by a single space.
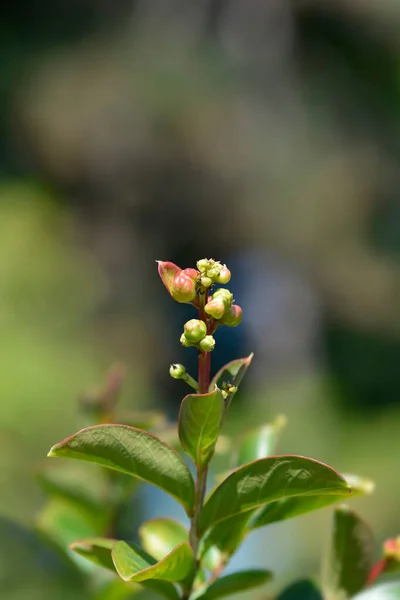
260 442
385 591
199 425
233 373
266 480
350 557
301 590
132 564
287 508
233 584
159 537
134 452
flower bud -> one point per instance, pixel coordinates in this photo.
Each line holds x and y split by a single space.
232 317
195 330
185 343
215 308
202 265
225 295
213 272
177 371
192 273
183 288
224 275
207 344
167 271
206 282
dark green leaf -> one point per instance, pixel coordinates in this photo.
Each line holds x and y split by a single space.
287 508
260 442
199 425
159 537
233 584
233 373
225 536
301 590
132 564
385 591
134 452
266 480
350 557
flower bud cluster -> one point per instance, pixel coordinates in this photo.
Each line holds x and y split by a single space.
195 334
211 271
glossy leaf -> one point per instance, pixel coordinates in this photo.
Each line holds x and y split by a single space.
132 564
385 591
199 425
260 442
159 537
301 590
233 372
134 452
266 480
234 584
287 508
225 537
350 557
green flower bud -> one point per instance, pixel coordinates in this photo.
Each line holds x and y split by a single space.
232 317
185 343
224 275
225 295
206 282
215 308
177 371
195 330
207 344
213 272
202 265
183 288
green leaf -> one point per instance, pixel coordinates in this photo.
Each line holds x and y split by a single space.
233 584
350 557
199 425
159 537
287 508
225 537
301 590
132 564
233 373
118 590
134 452
266 480
260 442
385 591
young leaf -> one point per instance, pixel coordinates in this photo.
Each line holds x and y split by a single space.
134 452
233 373
301 590
266 480
260 442
132 564
287 508
159 537
385 591
199 425
350 557
233 584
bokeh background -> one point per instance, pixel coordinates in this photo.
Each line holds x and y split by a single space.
264 133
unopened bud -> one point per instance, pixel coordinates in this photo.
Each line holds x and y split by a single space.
224 275
183 288
215 308
192 273
177 371
206 282
185 343
214 271
167 271
207 344
202 265
195 330
232 317
225 295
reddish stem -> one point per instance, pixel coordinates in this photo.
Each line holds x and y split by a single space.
376 571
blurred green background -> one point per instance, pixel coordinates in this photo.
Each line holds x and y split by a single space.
264 134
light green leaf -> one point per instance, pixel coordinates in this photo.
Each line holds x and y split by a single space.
132 564
233 584
134 452
385 591
233 373
118 590
266 480
199 425
287 508
350 557
260 442
159 537
301 590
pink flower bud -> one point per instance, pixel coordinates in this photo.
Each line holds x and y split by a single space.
183 288
215 308
192 273
232 317
167 271
224 275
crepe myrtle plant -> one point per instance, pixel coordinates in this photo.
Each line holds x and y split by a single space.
182 561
